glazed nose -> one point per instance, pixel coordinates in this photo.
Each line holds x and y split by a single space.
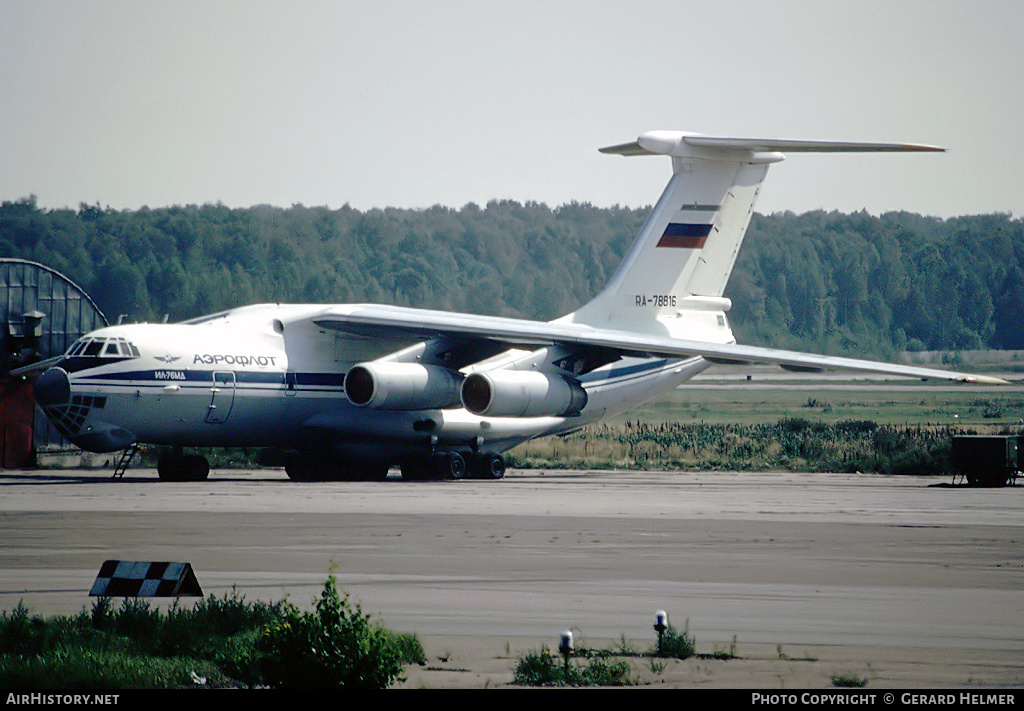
53 388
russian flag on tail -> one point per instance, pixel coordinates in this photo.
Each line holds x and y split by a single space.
685 235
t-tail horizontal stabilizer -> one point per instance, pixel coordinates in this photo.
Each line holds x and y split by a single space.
681 144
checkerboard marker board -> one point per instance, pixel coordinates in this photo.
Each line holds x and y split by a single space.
126 578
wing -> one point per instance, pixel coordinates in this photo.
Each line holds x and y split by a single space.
490 332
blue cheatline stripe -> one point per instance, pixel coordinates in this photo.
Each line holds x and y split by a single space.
320 379
170 376
598 377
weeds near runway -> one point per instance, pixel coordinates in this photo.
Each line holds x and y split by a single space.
601 667
335 645
544 669
849 681
674 644
219 642
791 444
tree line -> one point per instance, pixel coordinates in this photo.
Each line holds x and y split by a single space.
823 281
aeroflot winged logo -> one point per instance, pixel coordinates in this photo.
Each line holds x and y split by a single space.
167 358
685 235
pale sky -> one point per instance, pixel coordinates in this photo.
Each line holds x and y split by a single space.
417 103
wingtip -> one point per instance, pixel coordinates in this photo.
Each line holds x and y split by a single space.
626 149
984 380
922 148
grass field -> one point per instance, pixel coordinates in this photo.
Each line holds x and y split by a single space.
802 423
724 396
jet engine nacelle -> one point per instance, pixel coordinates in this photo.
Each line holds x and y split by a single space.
387 385
510 393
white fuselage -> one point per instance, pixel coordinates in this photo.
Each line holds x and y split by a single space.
264 376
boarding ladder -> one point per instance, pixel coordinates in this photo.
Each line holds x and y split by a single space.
126 458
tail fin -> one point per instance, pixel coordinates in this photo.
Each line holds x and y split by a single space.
685 252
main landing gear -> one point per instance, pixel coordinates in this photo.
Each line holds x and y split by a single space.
177 466
453 465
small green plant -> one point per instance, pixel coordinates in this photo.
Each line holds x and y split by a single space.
674 644
849 681
545 669
409 648
726 654
785 657
538 669
604 673
336 645
626 649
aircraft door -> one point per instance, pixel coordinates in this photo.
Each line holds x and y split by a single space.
222 398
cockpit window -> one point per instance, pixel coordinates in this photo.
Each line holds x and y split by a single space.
92 347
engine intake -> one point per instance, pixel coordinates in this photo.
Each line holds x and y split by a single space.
385 385
510 393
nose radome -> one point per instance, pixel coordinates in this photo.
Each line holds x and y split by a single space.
53 388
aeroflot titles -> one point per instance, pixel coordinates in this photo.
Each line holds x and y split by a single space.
242 360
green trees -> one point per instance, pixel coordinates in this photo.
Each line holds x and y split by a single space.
819 281
835 282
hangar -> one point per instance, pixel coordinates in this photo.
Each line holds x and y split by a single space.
42 313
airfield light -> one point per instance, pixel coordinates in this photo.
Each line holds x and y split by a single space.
660 625
565 646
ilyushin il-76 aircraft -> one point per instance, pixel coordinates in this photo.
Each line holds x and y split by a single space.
345 392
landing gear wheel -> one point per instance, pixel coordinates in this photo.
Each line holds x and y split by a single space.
489 466
455 466
441 465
